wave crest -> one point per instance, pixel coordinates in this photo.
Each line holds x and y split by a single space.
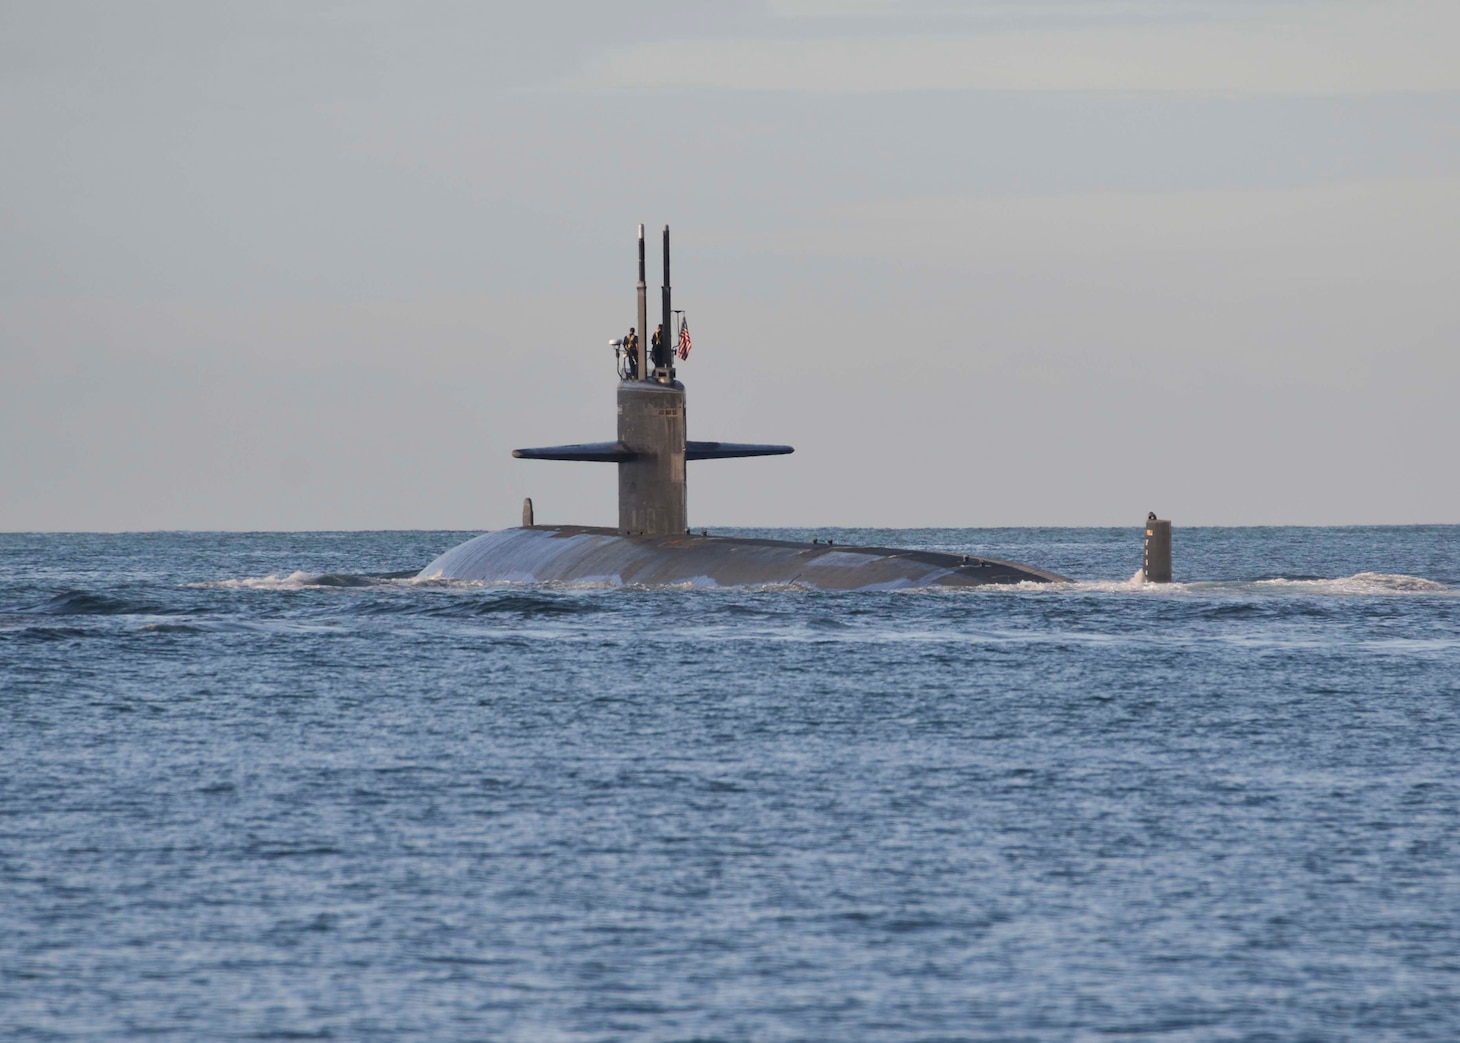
1358 583
293 581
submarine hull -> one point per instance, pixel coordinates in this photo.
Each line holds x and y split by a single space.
578 554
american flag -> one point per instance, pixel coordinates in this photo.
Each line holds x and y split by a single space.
684 341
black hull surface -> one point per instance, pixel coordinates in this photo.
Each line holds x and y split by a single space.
574 554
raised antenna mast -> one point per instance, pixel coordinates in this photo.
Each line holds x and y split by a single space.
663 368
641 352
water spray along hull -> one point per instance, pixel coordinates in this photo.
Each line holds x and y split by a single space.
575 554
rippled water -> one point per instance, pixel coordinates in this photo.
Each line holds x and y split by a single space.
260 786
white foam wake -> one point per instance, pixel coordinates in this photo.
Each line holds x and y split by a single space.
1362 584
1359 584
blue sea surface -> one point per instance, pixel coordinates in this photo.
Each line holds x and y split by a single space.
265 786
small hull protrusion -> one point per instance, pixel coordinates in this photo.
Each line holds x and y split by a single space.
1156 556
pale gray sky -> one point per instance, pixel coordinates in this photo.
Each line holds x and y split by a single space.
291 265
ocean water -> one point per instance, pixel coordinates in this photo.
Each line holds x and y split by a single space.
262 786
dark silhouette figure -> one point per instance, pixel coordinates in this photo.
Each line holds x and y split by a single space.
631 349
658 347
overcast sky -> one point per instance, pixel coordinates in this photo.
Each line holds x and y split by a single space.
292 265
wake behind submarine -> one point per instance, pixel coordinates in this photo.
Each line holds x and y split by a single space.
653 545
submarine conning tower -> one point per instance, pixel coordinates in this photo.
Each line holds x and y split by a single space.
651 483
652 446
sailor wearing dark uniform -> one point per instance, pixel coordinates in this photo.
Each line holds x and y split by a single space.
656 345
631 349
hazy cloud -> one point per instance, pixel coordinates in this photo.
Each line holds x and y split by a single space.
1324 49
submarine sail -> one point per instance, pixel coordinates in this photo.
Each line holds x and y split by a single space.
652 544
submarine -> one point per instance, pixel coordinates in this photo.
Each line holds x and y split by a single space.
653 544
